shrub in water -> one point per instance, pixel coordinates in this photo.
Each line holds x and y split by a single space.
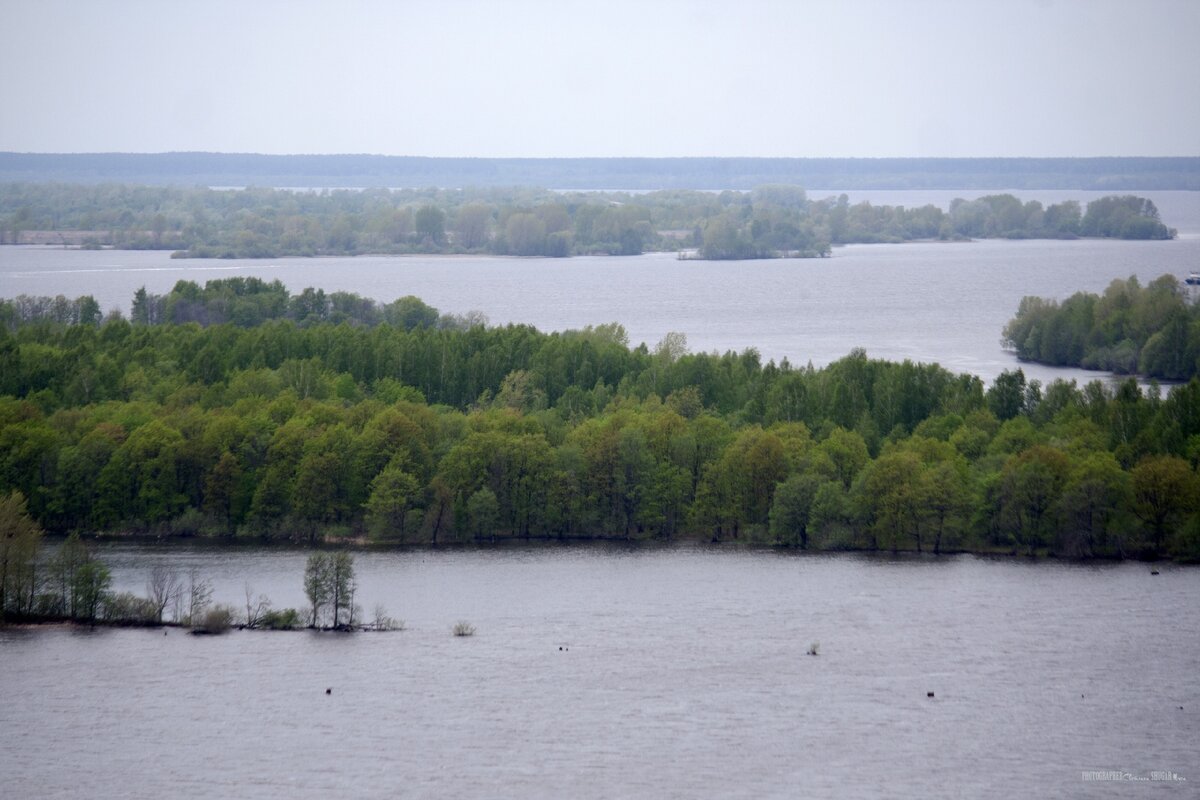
284 619
129 608
215 620
464 629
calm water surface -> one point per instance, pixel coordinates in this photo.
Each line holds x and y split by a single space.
684 674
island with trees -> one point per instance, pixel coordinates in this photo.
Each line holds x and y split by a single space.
70 584
240 410
1130 329
769 221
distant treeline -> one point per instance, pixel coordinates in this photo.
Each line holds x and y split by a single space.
1154 331
363 171
770 221
411 430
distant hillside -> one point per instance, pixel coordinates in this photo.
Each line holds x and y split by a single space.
239 169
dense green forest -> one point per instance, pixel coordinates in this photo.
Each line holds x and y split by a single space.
1152 330
409 427
770 221
361 171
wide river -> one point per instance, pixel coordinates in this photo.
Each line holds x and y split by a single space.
931 302
605 671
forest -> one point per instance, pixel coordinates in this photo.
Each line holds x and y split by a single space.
768 222
1152 330
396 424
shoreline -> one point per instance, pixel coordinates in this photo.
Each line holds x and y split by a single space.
364 544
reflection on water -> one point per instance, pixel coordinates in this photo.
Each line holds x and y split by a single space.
682 673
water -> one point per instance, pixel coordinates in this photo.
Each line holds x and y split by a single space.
930 302
684 675
683 672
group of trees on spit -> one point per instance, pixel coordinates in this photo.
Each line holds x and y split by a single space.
72 584
394 427
1152 330
769 221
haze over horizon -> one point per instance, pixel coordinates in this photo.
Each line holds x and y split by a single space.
1023 78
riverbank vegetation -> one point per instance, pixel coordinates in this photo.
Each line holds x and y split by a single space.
1152 330
70 584
769 221
412 431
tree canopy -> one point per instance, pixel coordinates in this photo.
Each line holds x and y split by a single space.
300 427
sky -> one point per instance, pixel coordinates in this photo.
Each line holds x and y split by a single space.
507 78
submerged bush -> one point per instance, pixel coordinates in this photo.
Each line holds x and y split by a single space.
383 622
462 628
215 620
129 608
284 619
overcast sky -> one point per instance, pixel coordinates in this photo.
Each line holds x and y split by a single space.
603 77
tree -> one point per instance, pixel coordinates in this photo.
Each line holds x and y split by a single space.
199 595
89 588
1006 398
163 588
791 508
19 538
895 493
483 513
343 588
949 501
1164 490
393 493
526 234
473 222
330 586
317 585
431 224
1095 494
1031 483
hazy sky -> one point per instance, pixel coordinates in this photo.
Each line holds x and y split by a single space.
603 77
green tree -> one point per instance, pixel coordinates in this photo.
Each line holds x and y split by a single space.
394 492
894 492
19 539
792 507
473 222
1164 491
330 586
1031 483
1095 495
431 224
483 513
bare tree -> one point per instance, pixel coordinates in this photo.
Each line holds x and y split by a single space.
163 589
256 609
200 592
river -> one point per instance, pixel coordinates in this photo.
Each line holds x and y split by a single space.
608 671
925 301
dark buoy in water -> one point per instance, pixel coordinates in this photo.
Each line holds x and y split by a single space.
329 691
929 694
